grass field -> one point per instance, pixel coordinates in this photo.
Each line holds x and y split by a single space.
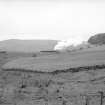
59 61
19 87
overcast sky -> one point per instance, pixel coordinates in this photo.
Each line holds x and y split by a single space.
51 19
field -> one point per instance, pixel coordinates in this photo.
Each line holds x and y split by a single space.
67 78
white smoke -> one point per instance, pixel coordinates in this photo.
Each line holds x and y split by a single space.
64 44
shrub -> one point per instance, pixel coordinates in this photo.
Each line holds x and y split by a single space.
34 55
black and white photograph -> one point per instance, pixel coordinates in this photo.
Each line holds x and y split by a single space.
52 52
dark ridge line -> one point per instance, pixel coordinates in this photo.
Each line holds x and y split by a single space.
72 70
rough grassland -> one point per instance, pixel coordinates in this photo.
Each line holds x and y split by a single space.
22 85
59 61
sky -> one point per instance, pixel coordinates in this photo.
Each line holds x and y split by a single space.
51 19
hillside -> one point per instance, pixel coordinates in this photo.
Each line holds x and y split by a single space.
15 45
98 39
64 78
59 61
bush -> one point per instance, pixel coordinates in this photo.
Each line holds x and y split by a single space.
34 55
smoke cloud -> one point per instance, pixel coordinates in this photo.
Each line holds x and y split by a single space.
64 44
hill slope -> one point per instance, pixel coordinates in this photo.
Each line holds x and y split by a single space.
98 39
15 45
86 85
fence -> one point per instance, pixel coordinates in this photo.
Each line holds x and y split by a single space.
89 97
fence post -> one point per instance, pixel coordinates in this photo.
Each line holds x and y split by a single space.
87 100
102 95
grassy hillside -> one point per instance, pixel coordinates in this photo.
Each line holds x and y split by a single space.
19 87
15 45
60 61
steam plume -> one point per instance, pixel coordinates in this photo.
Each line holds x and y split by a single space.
64 44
